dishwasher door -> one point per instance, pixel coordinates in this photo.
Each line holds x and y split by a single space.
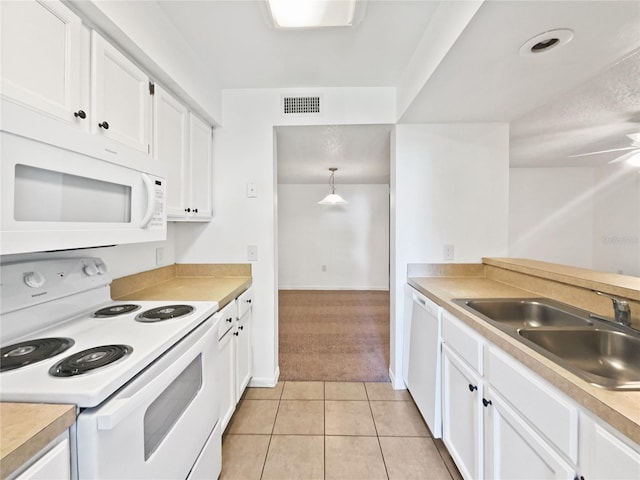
423 368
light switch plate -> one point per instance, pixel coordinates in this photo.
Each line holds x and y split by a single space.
252 253
251 190
447 252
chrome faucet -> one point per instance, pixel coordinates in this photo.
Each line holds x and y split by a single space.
621 310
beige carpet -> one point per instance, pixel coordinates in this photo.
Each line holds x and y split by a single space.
334 335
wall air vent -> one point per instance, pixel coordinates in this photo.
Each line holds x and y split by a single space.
301 105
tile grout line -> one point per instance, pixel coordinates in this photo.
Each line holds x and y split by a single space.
266 456
375 426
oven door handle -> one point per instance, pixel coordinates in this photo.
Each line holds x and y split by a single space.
159 376
151 203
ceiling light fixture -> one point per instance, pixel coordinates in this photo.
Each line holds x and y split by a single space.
546 41
333 198
312 13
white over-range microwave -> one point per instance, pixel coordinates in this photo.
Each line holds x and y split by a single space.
56 199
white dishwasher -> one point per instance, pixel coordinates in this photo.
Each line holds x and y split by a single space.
422 357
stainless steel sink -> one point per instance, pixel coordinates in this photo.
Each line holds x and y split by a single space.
603 353
604 357
524 313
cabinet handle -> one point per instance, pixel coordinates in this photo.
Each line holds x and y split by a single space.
195 210
229 320
236 333
486 402
249 301
472 387
80 114
104 125
187 210
241 327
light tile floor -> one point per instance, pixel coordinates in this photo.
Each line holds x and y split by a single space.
331 430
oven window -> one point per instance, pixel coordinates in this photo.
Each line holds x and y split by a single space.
47 196
165 410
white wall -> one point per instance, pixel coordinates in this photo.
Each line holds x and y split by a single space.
351 241
243 153
587 217
551 215
449 184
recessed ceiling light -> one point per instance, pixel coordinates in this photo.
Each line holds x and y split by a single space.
546 41
312 13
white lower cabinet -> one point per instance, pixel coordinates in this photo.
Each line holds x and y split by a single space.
244 357
606 454
513 450
53 462
234 344
462 430
503 421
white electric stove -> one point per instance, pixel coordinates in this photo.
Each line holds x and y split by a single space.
142 374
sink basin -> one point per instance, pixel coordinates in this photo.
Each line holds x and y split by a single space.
605 357
514 313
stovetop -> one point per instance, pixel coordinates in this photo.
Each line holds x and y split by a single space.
72 316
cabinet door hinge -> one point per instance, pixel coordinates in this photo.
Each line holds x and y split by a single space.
152 88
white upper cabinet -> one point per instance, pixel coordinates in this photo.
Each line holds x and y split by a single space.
41 58
200 153
121 98
171 127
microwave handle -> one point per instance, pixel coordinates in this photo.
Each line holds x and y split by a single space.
119 408
151 204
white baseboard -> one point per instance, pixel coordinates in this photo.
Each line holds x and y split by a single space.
265 382
333 287
396 383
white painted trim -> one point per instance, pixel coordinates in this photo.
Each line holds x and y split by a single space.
265 382
396 383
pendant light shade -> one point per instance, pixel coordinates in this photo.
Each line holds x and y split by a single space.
333 198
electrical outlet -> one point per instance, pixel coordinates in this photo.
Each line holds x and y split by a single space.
160 256
252 253
447 252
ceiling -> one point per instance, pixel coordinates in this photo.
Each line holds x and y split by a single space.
581 97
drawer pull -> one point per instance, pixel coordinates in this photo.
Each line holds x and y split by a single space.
472 387
486 402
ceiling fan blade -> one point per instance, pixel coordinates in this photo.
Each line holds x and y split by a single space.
626 156
602 151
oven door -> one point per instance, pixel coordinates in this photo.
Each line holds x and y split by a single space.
156 426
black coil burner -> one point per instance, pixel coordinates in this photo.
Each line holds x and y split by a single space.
32 351
115 310
90 359
164 313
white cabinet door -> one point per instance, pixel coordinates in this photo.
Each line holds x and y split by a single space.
243 353
171 121
55 464
423 368
121 97
513 450
462 415
41 58
200 153
227 377
605 455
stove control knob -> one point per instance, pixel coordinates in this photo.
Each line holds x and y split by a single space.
90 270
34 279
102 268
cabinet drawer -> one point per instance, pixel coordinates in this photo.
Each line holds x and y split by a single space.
227 316
544 407
245 301
464 341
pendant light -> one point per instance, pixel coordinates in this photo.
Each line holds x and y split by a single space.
333 198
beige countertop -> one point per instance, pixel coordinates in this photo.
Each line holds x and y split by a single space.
197 282
621 409
27 428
